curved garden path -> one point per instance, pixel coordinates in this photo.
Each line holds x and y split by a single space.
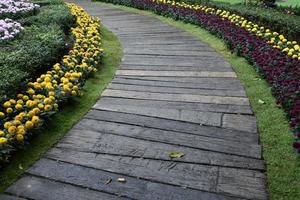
171 93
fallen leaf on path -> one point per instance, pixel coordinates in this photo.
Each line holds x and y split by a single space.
122 180
108 181
176 154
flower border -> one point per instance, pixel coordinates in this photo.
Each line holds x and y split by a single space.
29 109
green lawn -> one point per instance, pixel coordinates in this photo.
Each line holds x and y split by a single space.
55 129
280 2
283 164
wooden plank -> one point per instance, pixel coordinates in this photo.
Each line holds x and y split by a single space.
172 137
199 177
242 183
221 108
205 82
181 62
176 97
171 125
41 188
174 68
106 143
198 117
240 122
133 188
176 73
175 90
10 197
175 84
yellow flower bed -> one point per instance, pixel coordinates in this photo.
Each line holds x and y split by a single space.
18 116
279 41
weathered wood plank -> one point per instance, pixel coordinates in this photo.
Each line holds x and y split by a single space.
175 84
171 125
199 177
107 143
240 122
176 73
41 188
221 108
10 197
177 97
199 117
174 68
133 188
172 137
174 90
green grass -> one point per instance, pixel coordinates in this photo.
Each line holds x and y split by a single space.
58 126
283 164
279 2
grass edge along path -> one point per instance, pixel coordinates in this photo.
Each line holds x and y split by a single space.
283 164
72 112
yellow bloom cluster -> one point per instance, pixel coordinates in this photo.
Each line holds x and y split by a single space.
62 81
277 40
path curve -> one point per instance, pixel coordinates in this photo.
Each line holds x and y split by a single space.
172 92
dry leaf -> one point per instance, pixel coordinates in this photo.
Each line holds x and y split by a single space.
176 154
21 167
108 181
261 101
122 180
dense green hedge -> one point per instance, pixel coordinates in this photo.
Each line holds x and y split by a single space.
276 20
52 14
40 45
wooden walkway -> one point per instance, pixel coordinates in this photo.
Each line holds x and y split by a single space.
172 92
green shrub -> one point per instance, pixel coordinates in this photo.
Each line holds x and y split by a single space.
52 14
37 48
29 56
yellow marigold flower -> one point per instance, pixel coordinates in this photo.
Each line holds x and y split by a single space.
12 101
48 108
29 125
40 106
19 117
12 130
18 106
9 110
30 91
7 104
3 141
17 122
36 111
31 113
2 133
2 115
25 98
35 120
74 93
296 47
20 137
21 131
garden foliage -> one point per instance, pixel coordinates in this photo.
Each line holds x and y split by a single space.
45 38
41 98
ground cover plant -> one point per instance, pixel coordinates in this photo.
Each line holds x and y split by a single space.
41 98
59 124
44 38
